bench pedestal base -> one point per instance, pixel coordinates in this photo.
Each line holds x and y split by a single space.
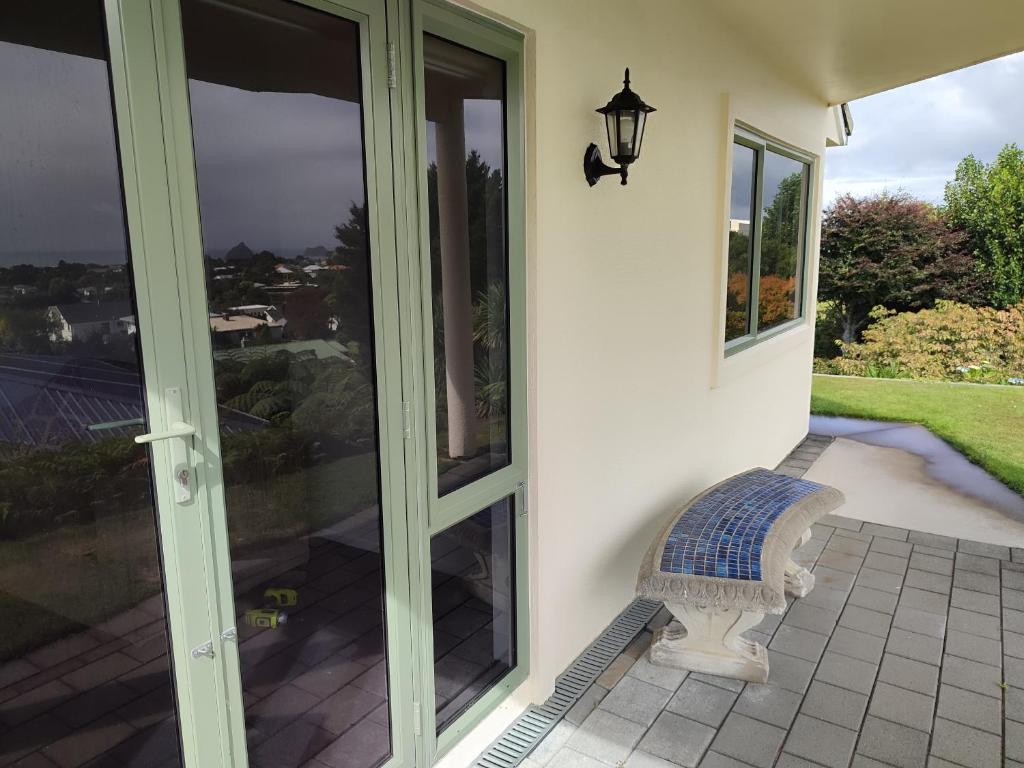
709 640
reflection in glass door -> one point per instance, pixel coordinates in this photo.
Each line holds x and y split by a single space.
84 668
275 91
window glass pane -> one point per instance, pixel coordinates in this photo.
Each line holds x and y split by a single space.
84 666
785 184
737 296
277 127
465 111
473 583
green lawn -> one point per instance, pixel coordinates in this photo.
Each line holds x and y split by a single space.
986 423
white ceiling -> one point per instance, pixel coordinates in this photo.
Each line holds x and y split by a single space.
845 50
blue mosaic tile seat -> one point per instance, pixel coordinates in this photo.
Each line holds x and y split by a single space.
723 533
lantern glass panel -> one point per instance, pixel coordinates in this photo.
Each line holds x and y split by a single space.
611 120
641 121
627 133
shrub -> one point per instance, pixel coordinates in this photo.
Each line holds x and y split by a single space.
952 342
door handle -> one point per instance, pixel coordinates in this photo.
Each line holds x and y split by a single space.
181 469
178 429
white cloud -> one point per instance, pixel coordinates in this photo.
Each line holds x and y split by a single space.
912 138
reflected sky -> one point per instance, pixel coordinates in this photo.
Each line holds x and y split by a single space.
58 188
59 195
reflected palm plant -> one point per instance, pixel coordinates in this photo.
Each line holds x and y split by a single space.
490 323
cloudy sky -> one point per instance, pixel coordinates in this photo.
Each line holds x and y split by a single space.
913 137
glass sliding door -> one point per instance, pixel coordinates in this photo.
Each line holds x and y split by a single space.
279 123
470 145
85 672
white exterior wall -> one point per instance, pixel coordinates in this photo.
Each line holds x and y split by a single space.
633 407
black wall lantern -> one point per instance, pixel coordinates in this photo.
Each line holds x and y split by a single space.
625 116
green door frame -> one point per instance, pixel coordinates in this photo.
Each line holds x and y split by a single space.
429 513
155 139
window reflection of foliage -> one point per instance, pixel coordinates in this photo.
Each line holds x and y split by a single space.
737 296
776 300
45 488
780 229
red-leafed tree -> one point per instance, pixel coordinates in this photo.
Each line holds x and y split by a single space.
894 251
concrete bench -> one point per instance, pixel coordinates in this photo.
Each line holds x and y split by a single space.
723 562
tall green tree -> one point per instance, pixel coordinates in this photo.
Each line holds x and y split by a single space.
987 203
894 251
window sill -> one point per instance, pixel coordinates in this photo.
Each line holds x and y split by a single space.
737 363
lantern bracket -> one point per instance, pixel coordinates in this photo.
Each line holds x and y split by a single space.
594 166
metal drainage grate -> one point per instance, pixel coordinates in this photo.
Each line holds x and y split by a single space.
520 738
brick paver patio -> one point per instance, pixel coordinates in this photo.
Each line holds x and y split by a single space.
909 652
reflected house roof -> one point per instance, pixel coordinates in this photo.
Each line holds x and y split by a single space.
49 400
106 311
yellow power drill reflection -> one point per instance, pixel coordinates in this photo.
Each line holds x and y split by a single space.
272 617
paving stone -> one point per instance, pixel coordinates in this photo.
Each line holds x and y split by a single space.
976 582
704 703
847 546
971 675
892 547
636 700
830 599
986 550
886 563
830 578
922 622
677 739
1013 579
859 761
801 643
787 760
570 758
977 563
931 564
769 703
748 740
873 599
893 743
838 521
643 760
970 708
885 531
975 601
835 705
664 677
1013 620
812 618
553 742
902 706
823 743
966 746
729 683
974 647
859 645
848 534
883 580
846 672
865 620
1013 644
932 540
923 600
840 561
1011 598
1013 670
934 552
586 704
1015 741
910 674
1014 698
973 623
606 737
911 645
615 671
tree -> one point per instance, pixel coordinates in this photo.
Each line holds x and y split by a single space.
987 203
894 251
350 290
